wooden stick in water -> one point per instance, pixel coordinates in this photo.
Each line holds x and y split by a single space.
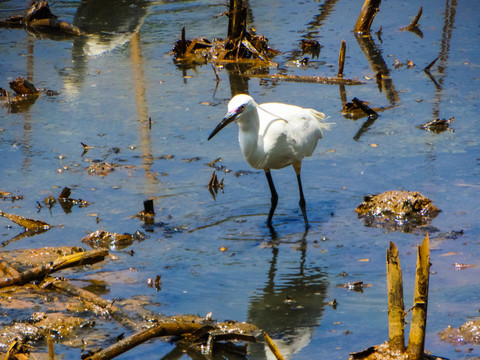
341 59
272 346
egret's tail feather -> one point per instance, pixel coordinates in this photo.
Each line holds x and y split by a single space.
319 116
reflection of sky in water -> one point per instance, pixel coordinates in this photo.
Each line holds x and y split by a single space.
101 102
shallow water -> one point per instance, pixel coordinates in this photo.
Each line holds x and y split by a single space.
112 83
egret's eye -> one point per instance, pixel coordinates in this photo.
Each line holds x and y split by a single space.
241 108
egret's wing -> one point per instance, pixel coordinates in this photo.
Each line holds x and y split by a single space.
296 130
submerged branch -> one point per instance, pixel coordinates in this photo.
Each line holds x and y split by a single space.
90 297
39 272
173 328
308 79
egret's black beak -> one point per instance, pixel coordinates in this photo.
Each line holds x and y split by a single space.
230 117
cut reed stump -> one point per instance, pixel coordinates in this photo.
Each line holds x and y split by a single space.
395 349
341 59
416 341
396 308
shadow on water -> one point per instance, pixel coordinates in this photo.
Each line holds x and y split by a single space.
290 305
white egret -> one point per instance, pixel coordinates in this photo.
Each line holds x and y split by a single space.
273 136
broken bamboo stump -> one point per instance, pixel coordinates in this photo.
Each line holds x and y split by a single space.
416 340
396 308
394 348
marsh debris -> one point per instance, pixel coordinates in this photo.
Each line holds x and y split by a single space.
218 167
21 86
214 185
86 148
240 44
68 203
65 311
29 224
310 46
100 168
438 126
106 239
359 105
6 195
41 22
26 94
148 212
397 210
245 47
468 333
357 109
157 282
194 335
355 286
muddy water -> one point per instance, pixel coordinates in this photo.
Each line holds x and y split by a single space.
111 84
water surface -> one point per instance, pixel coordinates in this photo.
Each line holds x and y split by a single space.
111 83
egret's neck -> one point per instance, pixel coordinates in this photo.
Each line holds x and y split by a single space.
248 136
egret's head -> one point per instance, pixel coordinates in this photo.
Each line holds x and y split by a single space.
236 107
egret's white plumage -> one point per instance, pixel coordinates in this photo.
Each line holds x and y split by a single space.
274 135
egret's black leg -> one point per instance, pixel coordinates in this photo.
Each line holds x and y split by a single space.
274 197
302 203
